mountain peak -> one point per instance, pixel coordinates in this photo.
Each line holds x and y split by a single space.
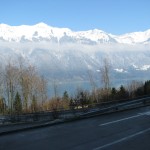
41 25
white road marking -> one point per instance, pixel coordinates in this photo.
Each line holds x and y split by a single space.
121 140
111 122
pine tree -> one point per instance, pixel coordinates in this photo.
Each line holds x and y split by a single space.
147 87
123 94
65 95
17 104
113 93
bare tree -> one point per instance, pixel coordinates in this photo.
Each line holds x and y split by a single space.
11 83
93 84
55 86
105 77
32 85
42 88
24 83
22 78
1 81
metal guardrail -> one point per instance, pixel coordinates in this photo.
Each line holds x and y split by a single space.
120 106
64 114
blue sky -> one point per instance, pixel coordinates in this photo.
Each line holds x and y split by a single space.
112 16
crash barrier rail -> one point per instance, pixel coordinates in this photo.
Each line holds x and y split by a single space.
93 109
119 106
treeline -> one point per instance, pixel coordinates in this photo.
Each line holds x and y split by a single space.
23 90
133 90
38 101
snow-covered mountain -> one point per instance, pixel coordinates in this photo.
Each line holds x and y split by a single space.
61 53
43 32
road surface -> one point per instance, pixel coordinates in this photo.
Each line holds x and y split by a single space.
127 130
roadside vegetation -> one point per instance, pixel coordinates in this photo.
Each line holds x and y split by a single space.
23 90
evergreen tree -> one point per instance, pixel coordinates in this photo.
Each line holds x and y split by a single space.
17 104
123 94
113 93
147 87
139 91
65 96
82 98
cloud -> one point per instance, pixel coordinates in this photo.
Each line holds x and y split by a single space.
103 47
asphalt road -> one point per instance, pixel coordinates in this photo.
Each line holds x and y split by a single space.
128 130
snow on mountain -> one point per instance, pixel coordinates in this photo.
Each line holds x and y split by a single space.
44 32
41 30
95 35
120 70
135 37
142 68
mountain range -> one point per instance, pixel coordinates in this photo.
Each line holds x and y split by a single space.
43 32
66 55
